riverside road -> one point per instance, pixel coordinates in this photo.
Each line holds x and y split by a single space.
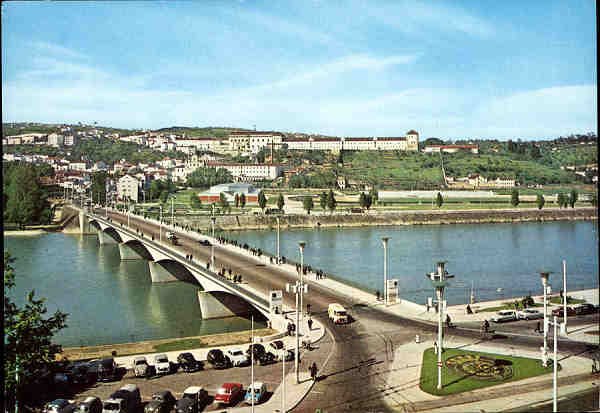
353 360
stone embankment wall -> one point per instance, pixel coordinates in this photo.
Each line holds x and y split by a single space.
240 222
70 219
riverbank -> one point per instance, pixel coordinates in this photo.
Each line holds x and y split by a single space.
433 217
154 346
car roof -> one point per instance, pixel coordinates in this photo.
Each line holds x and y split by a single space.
256 385
162 392
230 385
194 389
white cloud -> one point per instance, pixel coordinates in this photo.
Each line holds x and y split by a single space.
56 50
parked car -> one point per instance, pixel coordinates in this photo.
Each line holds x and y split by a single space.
90 405
165 397
276 347
529 314
257 349
154 406
258 390
56 406
80 373
125 400
504 315
267 358
585 308
162 364
560 312
237 357
205 242
141 368
107 369
288 355
218 359
229 393
188 363
193 398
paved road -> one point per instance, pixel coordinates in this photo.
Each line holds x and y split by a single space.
358 356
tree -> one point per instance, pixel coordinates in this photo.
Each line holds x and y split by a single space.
280 202
196 203
262 200
236 200
514 197
99 187
26 201
573 197
362 200
307 204
540 201
368 201
27 339
594 200
331 202
206 177
374 195
223 203
439 200
323 200
242 200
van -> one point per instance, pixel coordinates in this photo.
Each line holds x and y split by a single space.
125 400
337 313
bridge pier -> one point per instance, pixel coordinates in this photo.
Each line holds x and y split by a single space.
219 304
104 238
128 253
84 224
158 273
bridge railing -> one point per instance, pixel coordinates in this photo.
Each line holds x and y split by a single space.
176 255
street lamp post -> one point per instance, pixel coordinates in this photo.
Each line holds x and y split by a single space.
565 294
544 277
212 256
172 210
160 226
439 281
277 240
385 259
301 244
298 288
283 380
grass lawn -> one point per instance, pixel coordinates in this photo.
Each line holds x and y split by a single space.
456 381
505 306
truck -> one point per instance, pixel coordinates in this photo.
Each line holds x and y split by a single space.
125 400
337 314
141 367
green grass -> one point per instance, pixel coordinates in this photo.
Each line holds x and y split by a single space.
505 306
570 300
454 381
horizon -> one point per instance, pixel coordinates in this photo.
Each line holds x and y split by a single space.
454 71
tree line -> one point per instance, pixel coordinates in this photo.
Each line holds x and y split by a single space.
25 200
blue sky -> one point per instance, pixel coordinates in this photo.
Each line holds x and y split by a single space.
482 69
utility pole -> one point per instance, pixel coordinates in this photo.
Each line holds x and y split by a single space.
298 288
544 277
301 244
277 240
385 259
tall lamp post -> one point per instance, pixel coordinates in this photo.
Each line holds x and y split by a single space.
439 281
277 240
160 226
212 255
301 244
544 277
385 260
298 288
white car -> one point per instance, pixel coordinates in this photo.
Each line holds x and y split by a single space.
161 363
504 315
237 357
529 314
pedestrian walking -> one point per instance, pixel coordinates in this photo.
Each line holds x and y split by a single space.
310 323
538 327
313 371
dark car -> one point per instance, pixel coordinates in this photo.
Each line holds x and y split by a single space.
166 397
257 349
585 308
154 406
267 358
560 312
218 359
107 369
90 405
80 373
188 363
205 242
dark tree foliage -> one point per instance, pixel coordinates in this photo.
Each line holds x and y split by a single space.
25 200
540 201
207 177
514 197
280 202
439 200
28 343
323 200
331 202
573 198
307 204
99 187
242 200
262 200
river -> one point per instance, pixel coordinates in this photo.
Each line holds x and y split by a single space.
113 301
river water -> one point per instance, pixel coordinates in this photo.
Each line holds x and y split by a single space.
113 301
